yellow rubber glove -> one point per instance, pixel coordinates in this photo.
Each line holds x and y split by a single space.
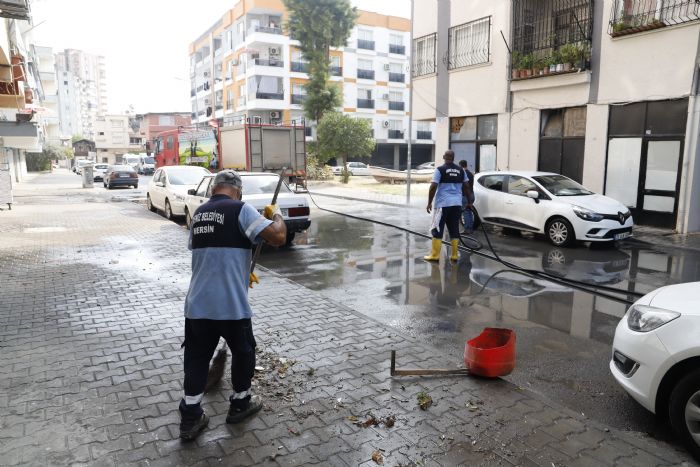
271 210
252 279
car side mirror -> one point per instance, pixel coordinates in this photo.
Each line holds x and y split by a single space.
191 191
534 194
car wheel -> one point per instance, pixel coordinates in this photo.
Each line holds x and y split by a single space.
168 210
149 204
188 219
136 186
290 238
559 232
109 186
104 184
684 411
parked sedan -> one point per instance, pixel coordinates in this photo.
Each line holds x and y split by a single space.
551 204
258 189
98 171
656 357
426 166
354 168
169 185
120 175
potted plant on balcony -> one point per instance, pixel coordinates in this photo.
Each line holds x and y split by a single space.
527 61
516 64
569 54
583 57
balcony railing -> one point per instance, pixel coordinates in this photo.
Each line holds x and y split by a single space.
469 43
298 99
424 134
395 134
365 74
269 95
397 49
300 67
397 77
268 62
631 16
364 44
394 105
550 36
336 70
266 30
365 103
219 107
425 56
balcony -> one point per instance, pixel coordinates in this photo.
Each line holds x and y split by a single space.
397 77
300 67
554 37
424 134
395 134
265 30
335 70
298 99
365 103
397 49
269 95
394 105
364 44
630 17
267 62
365 74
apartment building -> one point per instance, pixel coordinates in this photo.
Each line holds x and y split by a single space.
114 138
152 124
83 91
603 92
247 68
46 66
21 130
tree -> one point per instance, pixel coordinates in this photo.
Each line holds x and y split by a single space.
341 136
75 138
319 25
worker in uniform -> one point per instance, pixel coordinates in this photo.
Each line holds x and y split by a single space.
450 182
223 233
467 213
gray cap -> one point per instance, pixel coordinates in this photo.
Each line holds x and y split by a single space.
230 177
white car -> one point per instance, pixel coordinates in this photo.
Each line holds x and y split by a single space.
98 171
169 185
354 168
426 166
146 165
79 164
656 357
550 204
132 160
258 189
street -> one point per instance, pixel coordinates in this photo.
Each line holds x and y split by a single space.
97 263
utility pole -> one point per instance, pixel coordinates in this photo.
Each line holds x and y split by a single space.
410 111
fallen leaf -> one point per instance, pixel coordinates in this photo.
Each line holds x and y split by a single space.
378 458
424 400
371 421
389 421
352 418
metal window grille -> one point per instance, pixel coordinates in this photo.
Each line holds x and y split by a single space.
630 16
469 43
424 55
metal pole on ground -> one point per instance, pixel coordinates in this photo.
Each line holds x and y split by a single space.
410 112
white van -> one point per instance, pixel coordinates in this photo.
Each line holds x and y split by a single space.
132 160
147 165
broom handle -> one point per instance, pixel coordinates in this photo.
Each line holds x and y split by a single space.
258 247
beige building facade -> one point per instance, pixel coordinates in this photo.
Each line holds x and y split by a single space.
114 138
603 92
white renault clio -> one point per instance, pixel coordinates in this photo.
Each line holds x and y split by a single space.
551 204
656 357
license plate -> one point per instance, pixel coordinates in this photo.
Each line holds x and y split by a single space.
622 235
285 212
124 175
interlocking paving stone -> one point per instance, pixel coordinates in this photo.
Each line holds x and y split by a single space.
92 368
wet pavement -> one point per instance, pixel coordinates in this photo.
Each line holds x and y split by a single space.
564 336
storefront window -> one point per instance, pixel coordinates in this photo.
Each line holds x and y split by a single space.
473 139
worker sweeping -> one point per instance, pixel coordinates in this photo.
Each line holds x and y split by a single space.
450 182
223 233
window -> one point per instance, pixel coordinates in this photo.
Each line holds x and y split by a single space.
424 50
335 60
101 133
171 142
395 125
298 89
364 93
396 96
469 43
365 39
562 138
473 139
166 120
630 16
493 182
203 186
117 123
520 185
365 65
395 39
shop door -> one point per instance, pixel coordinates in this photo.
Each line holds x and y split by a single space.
659 181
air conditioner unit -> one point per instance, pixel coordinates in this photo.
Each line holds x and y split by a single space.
274 51
206 101
206 73
275 114
385 97
256 119
385 124
386 67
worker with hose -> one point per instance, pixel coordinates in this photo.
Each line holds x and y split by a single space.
224 230
449 184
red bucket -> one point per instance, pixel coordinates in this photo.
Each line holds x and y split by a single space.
491 353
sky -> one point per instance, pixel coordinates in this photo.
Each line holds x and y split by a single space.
145 42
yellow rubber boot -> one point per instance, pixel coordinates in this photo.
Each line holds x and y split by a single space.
434 250
455 248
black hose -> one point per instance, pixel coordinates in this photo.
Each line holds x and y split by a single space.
577 285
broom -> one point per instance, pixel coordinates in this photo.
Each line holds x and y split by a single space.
216 369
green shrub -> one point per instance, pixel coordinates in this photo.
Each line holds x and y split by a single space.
316 170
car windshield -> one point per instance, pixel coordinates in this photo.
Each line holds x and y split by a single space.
559 185
257 184
149 160
101 166
186 176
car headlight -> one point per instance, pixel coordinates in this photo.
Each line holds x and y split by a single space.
587 214
645 318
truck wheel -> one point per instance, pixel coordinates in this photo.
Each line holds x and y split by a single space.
684 411
290 238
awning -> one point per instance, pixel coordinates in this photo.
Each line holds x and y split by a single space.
22 135
15 9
